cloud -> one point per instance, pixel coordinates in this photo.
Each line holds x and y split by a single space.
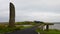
38 5
41 16
45 10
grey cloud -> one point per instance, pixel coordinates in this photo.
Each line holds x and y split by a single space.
4 19
45 19
38 5
26 8
24 18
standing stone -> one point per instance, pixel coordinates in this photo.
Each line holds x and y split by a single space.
12 15
47 27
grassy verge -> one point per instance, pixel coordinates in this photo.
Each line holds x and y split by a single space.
4 29
51 31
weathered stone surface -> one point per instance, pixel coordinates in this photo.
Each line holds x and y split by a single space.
12 15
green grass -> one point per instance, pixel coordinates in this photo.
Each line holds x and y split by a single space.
4 29
51 31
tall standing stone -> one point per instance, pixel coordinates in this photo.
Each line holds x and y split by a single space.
12 15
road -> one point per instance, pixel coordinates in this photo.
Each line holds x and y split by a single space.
26 31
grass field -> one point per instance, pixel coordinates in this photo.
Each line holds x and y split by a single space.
51 31
4 28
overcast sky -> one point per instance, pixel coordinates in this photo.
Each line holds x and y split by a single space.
30 10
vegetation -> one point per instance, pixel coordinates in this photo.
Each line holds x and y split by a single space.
25 23
51 31
38 21
6 29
